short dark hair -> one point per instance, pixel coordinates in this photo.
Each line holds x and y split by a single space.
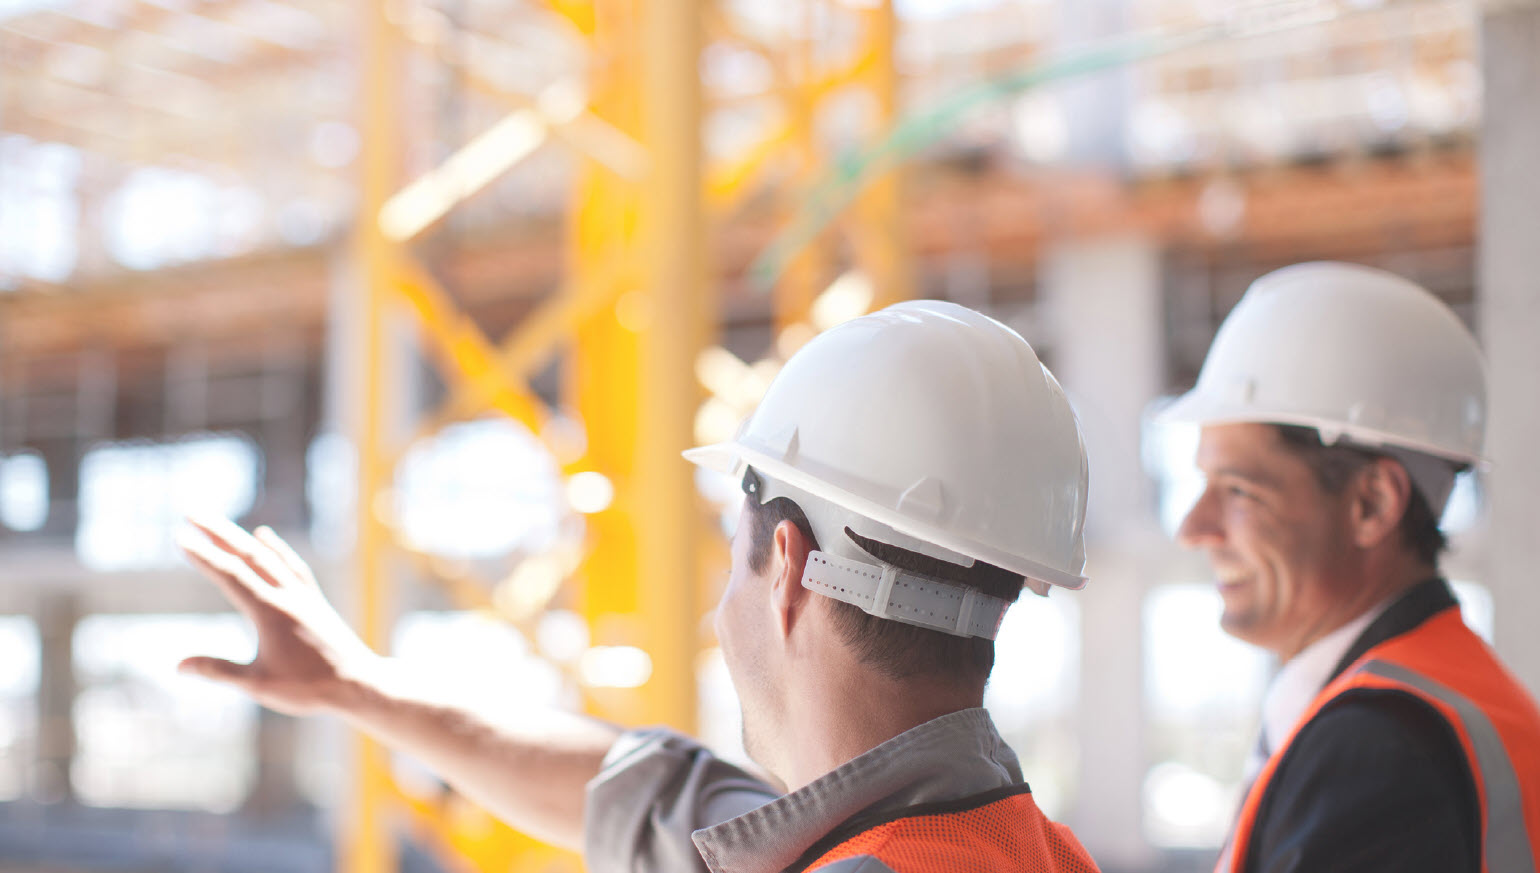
1334 465
896 649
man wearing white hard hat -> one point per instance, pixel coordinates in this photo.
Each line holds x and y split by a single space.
907 474
1337 404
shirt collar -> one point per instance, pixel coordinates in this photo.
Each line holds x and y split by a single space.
948 758
1300 679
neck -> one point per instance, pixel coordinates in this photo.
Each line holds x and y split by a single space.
1382 577
852 709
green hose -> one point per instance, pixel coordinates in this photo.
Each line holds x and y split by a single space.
853 170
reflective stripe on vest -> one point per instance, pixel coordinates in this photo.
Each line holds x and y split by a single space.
1505 845
1494 718
1009 834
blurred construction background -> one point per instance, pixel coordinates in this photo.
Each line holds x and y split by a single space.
438 288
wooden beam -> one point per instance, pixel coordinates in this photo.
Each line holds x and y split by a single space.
1287 213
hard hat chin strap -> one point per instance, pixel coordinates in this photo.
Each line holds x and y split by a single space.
844 569
888 592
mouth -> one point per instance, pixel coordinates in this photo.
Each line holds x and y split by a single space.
1230 581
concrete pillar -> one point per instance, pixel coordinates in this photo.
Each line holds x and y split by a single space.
286 422
281 436
1096 106
276 789
9 434
1102 302
58 613
94 186
1509 300
63 456
186 388
64 443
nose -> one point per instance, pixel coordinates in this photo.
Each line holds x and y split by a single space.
1201 528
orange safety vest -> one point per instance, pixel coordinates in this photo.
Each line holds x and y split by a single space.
991 833
1442 663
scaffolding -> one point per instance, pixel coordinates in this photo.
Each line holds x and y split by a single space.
630 320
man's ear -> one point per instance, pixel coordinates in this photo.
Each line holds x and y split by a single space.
788 559
1381 493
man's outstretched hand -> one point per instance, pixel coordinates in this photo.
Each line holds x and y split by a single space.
530 771
308 659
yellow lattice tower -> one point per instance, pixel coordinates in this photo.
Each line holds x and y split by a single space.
633 316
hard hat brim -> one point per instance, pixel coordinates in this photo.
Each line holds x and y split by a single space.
717 457
730 457
1196 407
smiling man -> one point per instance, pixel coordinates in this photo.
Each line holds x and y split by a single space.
1337 405
906 475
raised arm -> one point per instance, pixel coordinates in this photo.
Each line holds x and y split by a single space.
531 772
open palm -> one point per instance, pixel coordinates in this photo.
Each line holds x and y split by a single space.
307 656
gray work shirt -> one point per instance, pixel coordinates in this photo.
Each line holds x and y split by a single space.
664 804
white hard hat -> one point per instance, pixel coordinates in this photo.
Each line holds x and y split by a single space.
1360 354
931 424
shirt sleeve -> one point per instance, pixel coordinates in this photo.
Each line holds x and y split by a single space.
1377 782
655 789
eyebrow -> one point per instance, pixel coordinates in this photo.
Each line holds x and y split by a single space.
1260 479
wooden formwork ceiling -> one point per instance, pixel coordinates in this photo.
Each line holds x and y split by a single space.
259 94
139 83
1347 210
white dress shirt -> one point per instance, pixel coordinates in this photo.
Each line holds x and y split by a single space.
1297 684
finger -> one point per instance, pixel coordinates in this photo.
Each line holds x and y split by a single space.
227 535
233 578
218 670
290 558
230 537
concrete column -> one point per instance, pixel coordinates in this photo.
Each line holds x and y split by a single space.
57 616
1102 302
63 456
95 419
276 790
1509 300
287 420
9 433
186 388
1095 107
281 435
96 183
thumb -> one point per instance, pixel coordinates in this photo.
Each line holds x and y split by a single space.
217 669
